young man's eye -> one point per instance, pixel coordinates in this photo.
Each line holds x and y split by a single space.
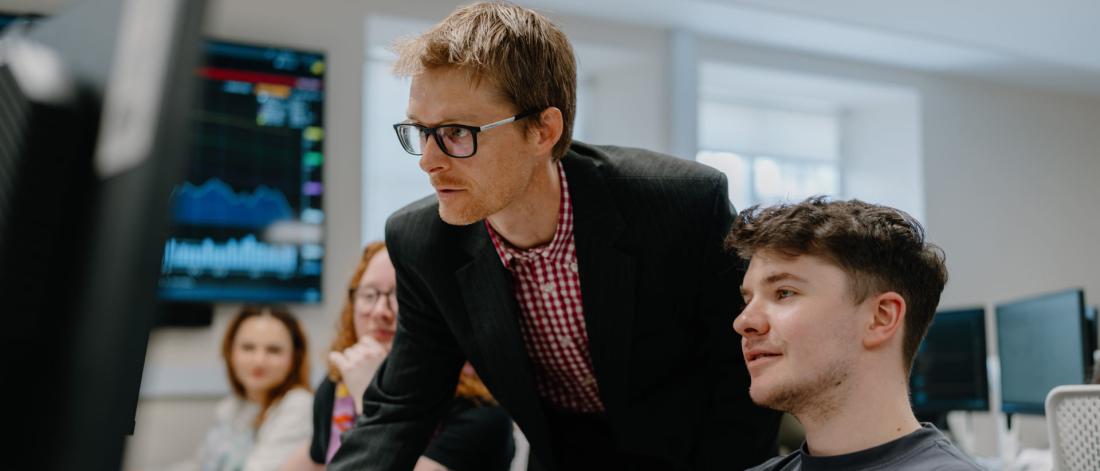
784 293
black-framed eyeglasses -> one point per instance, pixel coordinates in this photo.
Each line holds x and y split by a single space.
456 140
367 298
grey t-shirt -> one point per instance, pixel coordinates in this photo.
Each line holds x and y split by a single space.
924 449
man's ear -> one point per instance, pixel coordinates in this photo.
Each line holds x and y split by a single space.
886 321
549 129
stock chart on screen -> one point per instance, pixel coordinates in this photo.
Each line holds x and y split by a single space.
256 165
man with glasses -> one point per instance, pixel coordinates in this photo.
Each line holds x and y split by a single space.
587 285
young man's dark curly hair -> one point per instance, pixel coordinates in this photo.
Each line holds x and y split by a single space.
880 248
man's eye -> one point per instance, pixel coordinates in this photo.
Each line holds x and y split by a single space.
784 293
457 133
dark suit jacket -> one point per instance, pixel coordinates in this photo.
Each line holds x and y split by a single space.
659 294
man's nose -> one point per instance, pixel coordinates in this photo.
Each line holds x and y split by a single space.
751 320
432 158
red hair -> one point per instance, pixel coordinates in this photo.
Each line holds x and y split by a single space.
345 325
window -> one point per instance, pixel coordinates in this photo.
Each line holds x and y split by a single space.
770 154
391 177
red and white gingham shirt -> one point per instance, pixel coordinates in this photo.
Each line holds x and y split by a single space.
548 288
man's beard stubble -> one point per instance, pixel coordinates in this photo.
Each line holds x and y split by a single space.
817 398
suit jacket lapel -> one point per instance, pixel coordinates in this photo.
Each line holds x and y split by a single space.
607 275
489 296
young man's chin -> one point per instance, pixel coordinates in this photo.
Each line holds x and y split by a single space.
758 397
764 395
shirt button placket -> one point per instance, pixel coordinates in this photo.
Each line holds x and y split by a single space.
565 341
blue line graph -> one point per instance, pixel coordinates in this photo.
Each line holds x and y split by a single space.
247 256
214 203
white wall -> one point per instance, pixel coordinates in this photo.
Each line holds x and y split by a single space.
1012 187
884 138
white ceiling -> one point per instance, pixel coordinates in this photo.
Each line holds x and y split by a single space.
1050 44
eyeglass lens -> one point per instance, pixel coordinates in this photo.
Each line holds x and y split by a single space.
457 141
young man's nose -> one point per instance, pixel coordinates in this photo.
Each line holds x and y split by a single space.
751 321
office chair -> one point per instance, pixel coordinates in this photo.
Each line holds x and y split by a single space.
1073 424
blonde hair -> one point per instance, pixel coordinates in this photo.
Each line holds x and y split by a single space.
518 50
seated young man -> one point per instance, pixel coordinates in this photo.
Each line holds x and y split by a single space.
838 296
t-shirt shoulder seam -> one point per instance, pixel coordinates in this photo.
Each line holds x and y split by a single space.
889 464
954 452
940 445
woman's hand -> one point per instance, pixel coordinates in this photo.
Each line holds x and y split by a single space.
357 365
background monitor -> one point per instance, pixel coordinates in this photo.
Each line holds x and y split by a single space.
1041 342
255 176
949 371
7 18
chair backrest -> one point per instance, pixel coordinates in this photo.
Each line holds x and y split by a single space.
1073 423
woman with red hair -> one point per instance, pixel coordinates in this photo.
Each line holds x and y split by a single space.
476 433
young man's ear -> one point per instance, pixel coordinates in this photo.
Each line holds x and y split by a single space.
887 319
549 129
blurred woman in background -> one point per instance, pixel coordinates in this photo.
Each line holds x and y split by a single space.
267 415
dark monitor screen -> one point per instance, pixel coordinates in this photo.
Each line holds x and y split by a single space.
7 18
257 155
949 371
1041 345
92 144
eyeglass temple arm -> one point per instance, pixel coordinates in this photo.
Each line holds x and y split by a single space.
505 121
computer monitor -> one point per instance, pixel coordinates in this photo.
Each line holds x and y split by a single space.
949 372
89 149
6 19
1041 342
256 163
